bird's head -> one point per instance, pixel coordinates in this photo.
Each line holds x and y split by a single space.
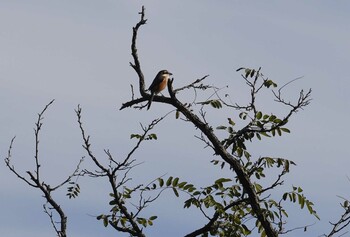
165 72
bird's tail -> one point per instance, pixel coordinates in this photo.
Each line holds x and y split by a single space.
150 101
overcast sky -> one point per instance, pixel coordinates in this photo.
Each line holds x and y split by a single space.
78 52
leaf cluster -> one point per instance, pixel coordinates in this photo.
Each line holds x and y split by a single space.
73 190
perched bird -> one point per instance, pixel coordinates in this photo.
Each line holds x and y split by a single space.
158 84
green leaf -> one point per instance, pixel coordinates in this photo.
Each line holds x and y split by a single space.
152 218
123 221
230 130
176 192
247 72
273 132
175 181
182 184
191 189
284 213
230 121
258 136
277 120
138 136
113 202
188 186
223 180
243 115
265 134
161 182
309 207
286 166
216 104
258 115
285 130
177 114
268 83
105 221
279 131
153 136
239 152
302 203
272 118
168 182
252 73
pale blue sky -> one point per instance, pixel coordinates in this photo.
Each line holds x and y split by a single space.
78 52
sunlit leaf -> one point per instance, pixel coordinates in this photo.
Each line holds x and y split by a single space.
230 121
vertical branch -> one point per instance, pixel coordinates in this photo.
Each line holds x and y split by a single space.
37 131
136 65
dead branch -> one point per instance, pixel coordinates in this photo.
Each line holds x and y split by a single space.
36 181
117 175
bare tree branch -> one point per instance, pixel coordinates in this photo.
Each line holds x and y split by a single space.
36 180
115 168
194 85
12 168
136 65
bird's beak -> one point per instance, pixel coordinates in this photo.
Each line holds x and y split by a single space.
170 73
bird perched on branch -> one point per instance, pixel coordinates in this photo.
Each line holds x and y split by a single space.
159 83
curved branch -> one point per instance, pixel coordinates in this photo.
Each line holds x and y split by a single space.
212 221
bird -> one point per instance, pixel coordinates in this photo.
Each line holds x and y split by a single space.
159 83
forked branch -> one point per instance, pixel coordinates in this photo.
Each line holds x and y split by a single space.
36 181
